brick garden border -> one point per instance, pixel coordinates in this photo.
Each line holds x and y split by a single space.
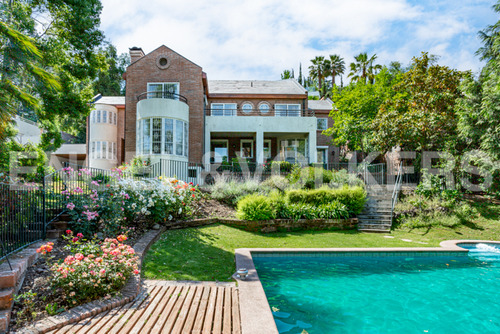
126 295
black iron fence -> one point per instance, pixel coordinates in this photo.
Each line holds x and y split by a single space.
21 216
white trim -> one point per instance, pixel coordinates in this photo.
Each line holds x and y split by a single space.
264 103
233 110
270 148
247 103
242 141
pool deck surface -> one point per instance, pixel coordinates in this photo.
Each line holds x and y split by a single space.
169 307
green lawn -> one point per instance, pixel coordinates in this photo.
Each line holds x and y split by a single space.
207 253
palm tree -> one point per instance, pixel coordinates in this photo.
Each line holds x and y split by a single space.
364 69
337 67
317 71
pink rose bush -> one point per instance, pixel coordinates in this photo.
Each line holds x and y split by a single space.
84 277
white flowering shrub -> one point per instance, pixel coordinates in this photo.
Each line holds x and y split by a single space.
112 206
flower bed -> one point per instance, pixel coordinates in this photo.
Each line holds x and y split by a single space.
113 204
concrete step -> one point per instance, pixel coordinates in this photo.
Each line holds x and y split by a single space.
381 211
374 230
374 225
59 225
374 220
6 298
374 216
54 234
64 217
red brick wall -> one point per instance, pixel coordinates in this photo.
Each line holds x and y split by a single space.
322 140
189 76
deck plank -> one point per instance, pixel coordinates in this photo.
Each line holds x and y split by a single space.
209 315
126 316
217 329
191 317
162 319
146 314
181 318
172 318
158 310
236 312
226 317
133 320
200 316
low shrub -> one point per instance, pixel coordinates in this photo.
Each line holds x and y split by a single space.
87 276
333 210
256 207
353 198
310 177
281 166
230 191
276 182
342 178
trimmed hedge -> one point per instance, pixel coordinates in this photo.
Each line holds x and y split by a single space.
334 210
256 207
353 198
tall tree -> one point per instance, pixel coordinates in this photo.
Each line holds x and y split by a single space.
67 34
421 116
356 106
20 66
364 69
301 79
317 72
337 65
286 75
110 79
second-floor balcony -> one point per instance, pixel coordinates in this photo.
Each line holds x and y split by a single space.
162 95
232 112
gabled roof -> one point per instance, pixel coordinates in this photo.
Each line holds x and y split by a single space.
255 87
111 100
320 104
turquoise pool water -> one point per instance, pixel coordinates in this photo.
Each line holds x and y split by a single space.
377 293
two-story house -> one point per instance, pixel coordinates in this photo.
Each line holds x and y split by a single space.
172 111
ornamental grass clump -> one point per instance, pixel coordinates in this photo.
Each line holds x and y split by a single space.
84 277
256 207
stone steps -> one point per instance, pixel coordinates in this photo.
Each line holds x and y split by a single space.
376 216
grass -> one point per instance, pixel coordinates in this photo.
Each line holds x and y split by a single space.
207 253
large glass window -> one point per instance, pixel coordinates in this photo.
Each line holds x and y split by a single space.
98 116
223 109
287 110
267 149
293 150
103 150
104 116
219 148
246 148
163 136
165 90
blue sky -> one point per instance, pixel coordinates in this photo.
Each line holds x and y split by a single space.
258 39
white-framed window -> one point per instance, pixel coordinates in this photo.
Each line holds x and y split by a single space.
246 148
161 135
219 147
110 120
98 116
287 110
223 109
114 118
264 107
267 149
103 150
163 90
105 116
247 107
322 123
92 115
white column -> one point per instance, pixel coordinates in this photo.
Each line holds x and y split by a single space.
206 153
259 145
313 157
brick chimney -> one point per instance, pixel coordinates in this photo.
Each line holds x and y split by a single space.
136 53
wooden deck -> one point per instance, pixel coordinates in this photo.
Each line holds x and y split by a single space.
169 307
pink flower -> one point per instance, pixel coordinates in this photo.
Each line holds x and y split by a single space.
69 232
70 206
79 256
136 271
79 235
75 239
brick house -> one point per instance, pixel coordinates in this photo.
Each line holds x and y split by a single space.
172 111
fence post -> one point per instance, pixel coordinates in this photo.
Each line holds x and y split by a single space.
44 214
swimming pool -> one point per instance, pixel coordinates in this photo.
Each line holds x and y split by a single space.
384 292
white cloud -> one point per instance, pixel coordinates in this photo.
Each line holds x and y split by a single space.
257 39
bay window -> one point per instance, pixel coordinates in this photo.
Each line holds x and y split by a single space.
160 135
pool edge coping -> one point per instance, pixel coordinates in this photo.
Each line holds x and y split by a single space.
255 312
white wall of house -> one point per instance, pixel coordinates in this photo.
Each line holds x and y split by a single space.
28 132
103 135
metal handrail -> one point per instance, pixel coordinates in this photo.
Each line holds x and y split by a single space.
397 188
270 112
161 95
